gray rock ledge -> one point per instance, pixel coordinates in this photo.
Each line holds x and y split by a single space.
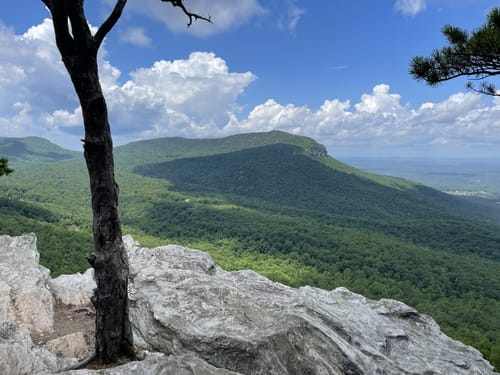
191 317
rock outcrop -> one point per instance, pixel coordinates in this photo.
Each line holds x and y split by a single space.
191 317
25 300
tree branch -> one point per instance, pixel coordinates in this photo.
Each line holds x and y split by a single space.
475 56
111 21
48 4
64 40
79 25
191 16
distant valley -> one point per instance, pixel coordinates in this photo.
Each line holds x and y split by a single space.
467 177
278 204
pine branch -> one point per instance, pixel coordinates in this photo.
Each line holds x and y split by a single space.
473 55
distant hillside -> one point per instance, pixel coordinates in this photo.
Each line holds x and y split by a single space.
34 149
164 149
285 179
287 175
278 204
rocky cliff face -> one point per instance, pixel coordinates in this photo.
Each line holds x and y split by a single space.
191 317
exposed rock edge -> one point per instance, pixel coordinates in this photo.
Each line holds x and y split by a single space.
191 317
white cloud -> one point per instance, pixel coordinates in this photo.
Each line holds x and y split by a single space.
379 101
226 14
293 15
136 36
30 67
190 97
410 7
272 115
379 123
198 97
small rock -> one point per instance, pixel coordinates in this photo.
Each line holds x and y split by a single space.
73 345
74 289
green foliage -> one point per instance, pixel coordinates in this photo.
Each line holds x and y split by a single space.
62 248
165 149
4 167
271 206
475 55
249 178
34 149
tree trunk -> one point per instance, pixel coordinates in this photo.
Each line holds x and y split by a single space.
109 259
78 48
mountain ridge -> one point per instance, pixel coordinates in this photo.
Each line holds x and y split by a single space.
309 219
34 149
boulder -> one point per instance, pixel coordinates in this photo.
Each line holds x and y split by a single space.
74 289
19 356
24 297
182 304
191 317
73 345
156 364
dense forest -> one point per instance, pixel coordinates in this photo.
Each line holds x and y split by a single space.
277 204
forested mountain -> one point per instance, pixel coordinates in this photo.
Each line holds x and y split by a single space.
34 149
279 204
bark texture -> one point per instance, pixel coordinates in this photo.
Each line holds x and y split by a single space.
78 49
109 260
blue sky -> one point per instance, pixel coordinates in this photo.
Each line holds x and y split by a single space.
334 70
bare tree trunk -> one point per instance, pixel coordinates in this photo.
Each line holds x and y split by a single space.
78 48
109 259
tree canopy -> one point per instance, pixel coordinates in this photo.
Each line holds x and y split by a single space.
475 55
4 167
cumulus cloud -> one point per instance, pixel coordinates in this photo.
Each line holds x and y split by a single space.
410 7
35 90
199 97
30 67
136 36
379 120
189 97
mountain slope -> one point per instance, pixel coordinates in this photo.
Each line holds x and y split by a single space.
34 149
278 204
285 179
287 176
167 149
163 149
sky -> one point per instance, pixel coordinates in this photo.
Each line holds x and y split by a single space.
333 70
